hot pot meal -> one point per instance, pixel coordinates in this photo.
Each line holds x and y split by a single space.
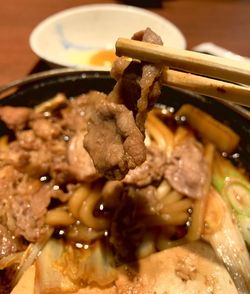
114 193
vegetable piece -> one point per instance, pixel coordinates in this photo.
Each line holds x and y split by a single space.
4 143
59 100
30 255
235 189
224 138
238 195
232 184
89 265
147 246
224 236
26 283
49 278
12 259
199 207
244 224
223 170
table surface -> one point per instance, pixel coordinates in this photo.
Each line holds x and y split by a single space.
224 22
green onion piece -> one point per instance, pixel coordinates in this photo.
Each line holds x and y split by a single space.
223 169
238 195
244 225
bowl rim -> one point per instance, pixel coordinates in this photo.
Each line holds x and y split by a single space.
36 77
92 7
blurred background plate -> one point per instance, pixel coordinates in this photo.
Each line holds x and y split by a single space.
85 36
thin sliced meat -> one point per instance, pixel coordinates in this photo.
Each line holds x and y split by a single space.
28 141
116 143
23 204
46 129
77 114
33 162
152 170
80 162
113 140
15 118
27 210
8 244
150 80
187 171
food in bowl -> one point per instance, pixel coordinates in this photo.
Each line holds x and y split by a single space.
97 234
96 220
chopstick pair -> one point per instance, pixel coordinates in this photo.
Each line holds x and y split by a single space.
194 71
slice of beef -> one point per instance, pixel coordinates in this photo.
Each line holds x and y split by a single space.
28 140
152 170
187 171
128 225
75 117
27 209
148 36
46 129
59 165
34 159
113 140
138 83
23 204
80 162
16 118
117 70
14 156
113 147
8 244
150 80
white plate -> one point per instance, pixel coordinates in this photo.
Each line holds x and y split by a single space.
71 37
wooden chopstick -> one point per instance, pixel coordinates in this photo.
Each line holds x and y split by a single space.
207 86
192 62
189 61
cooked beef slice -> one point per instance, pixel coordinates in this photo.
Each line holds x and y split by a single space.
187 171
75 117
15 118
151 171
46 129
138 83
28 209
23 204
114 142
8 244
80 162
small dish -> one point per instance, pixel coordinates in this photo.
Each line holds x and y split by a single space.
85 36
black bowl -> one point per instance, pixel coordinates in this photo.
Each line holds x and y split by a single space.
40 87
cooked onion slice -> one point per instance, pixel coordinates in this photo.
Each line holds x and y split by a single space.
222 232
65 268
30 255
49 278
11 259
